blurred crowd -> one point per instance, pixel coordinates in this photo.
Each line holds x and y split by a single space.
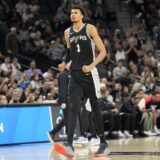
130 75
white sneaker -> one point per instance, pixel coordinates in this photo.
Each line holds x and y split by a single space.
146 133
81 140
94 142
127 134
156 130
120 135
151 133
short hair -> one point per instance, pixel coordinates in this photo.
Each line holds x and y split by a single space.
79 8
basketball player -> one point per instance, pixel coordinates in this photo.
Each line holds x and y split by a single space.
81 39
63 81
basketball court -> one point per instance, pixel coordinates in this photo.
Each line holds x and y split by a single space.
122 149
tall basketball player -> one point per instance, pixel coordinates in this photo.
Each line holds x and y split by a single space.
81 39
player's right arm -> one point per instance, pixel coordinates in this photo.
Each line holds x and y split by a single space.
62 65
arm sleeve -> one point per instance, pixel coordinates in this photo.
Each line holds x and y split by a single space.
66 57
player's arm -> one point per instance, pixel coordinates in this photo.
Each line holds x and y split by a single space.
99 44
66 59
92 31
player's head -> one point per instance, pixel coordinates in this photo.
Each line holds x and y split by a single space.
77 14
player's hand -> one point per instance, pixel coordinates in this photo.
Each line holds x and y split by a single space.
86 69
63 105
62 66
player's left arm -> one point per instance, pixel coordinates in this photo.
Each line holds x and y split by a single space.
92 31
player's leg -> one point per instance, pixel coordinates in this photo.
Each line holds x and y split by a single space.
51 134
75 94
91 87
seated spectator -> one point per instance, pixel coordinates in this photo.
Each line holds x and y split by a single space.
120 73
117 94
147 117
34 7
3 100
16 67
6 65
4 86
56 51
31 98
49 74
147 72
131 50
45 89
16 96
149 85
21 6
32 70
132 114
152 105
36 81
25 93
23 81
134 73
110 113
120 53
27 16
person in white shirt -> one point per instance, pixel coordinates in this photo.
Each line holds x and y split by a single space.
120 53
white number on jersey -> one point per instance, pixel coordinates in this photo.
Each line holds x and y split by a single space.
78 48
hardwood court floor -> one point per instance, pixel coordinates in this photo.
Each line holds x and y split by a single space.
122 149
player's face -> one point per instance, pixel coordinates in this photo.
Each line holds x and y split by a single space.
76 15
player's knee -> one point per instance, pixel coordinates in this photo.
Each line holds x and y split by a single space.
75 105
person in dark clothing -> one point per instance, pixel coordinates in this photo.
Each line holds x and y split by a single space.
81 39
132 114
63 81
110 113
11 42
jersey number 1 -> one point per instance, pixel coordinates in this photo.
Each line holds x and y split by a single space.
78 48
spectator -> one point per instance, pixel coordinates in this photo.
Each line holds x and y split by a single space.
131 51
3 100
45 89
36 81
21 7
27 16
55 52
147 117
120 53
132 113
120 73
111 113
7 66
25 93
16 68
31 98
12 42
32 70
152 105
16 96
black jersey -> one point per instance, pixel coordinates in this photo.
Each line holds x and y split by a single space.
82 48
